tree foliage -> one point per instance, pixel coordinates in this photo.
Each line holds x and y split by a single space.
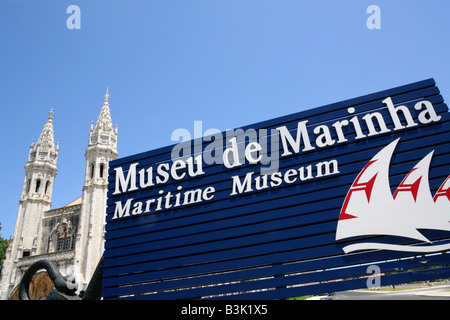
3 247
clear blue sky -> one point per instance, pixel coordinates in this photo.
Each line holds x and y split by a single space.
228 63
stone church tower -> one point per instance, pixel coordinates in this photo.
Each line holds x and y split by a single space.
72 236
102 148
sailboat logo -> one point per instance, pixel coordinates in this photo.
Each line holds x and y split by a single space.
371 209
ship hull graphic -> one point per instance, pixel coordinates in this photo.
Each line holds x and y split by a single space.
371 209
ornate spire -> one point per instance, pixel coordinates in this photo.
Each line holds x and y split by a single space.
46 139
103 132
44 149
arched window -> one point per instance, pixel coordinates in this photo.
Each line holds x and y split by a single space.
92 170
102 169
28 185
61 238
38 185
47 185
64 240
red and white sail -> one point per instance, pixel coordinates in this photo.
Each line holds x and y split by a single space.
371 209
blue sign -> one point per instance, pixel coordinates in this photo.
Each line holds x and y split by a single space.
350 195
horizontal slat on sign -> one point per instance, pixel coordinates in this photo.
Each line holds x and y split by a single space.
292 218
320 264
287 253
233 266
275 231
329 287
282 281
258 279
268 234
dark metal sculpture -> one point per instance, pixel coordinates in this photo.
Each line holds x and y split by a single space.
64 287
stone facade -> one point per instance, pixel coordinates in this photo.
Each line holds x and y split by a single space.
71 236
